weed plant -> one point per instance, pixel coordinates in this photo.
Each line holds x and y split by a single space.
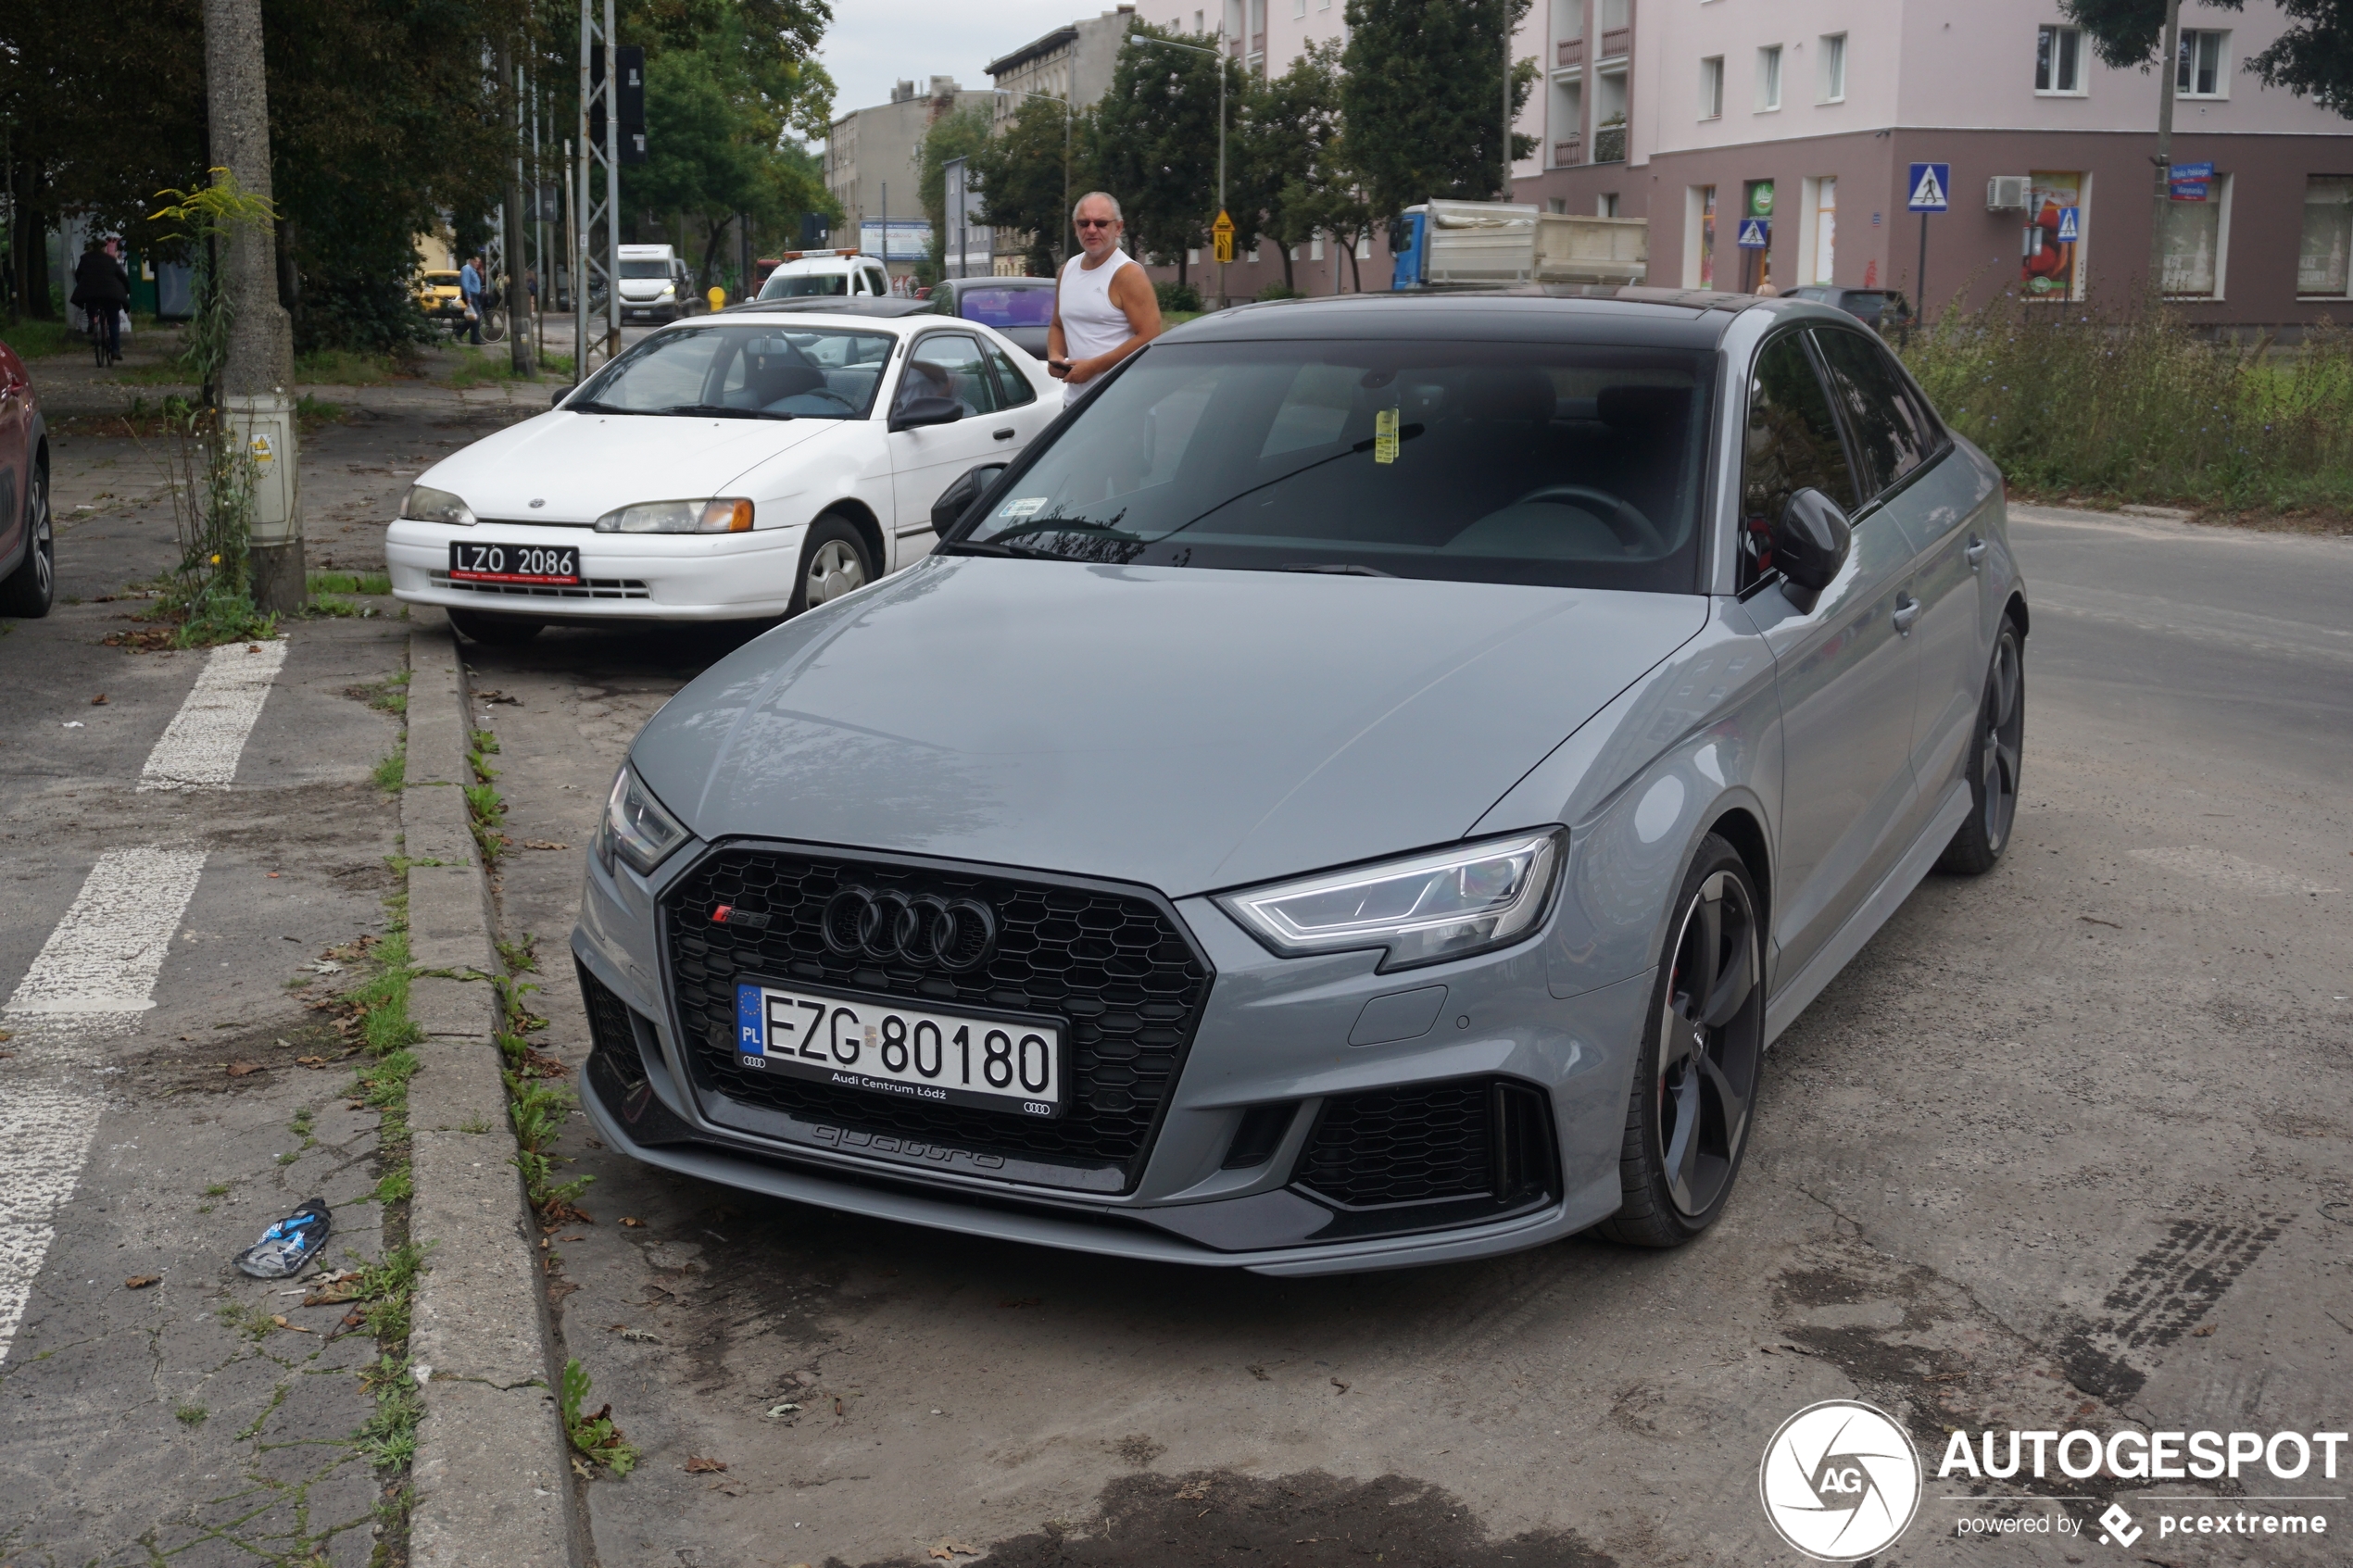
594 1437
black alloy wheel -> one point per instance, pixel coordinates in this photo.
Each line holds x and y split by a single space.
32 587
495 630
1695 1084
1994 754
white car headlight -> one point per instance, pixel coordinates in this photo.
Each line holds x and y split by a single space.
1443 905
635 826
722 515
423 504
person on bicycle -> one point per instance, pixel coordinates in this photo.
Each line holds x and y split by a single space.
470 287
102 292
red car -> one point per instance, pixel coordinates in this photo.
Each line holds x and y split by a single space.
28 547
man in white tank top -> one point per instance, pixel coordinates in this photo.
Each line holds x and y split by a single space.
1105 307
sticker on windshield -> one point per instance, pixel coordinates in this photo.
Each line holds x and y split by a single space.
1385 436
1028 506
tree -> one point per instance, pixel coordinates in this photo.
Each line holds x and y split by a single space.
952 136
1156 132
1422 98
1292 124
2313 59
1022 179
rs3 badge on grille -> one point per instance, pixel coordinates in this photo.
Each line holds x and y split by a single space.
1006 1064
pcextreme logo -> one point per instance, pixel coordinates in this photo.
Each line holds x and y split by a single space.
1841 1481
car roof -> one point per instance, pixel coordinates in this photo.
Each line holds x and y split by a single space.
1632 317
994 283
887 319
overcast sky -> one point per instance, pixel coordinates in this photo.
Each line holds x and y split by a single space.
876 42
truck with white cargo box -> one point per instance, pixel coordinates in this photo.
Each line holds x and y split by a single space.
1486 244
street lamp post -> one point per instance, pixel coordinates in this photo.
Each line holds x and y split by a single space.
1219 55
1061 251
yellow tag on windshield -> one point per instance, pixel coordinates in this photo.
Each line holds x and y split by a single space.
1384 437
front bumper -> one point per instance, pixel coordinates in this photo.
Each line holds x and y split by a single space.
1271 1033
627 576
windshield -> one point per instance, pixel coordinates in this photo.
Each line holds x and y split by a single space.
1548 463
1008 307
804 285
755 369
644 269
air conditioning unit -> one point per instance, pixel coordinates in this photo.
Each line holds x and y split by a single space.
2006 193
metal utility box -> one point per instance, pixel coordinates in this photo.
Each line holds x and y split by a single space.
265 426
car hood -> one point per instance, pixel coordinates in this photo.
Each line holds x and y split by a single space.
582 466
1184 729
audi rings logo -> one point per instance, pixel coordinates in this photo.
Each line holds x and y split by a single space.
1841 1481
922 929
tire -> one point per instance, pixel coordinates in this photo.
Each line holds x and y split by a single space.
835 560
1694 1094
495 630
32 587
1995 752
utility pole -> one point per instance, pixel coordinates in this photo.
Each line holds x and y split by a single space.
1218 54
1504 21
510 222
257 377
2167 65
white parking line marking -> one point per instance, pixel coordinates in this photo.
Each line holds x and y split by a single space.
45 1136
200 748
103 957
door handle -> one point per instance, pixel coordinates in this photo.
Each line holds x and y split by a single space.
1003 436
1975 554
1908 610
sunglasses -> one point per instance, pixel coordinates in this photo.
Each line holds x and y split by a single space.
1094 222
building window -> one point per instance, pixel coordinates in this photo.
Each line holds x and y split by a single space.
1825 235
2199 72
1699 237
1298 7
1608 206
1711 87
1833 59
2059 60
1768 78
2057 231
1365 246
2324 266
1315 245
2196 236
1200 20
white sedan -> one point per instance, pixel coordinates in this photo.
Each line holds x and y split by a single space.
736 467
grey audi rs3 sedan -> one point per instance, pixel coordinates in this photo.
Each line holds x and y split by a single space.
1363 788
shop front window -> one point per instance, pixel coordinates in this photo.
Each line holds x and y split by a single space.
2055 233
2195 233
2325 264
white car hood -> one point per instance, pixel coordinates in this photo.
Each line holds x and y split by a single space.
581 466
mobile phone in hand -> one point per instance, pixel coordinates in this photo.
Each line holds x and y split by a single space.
1058 369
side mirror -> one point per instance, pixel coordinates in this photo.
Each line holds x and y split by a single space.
1811 540
957 499
927 412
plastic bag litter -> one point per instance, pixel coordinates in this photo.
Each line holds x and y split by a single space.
289 1244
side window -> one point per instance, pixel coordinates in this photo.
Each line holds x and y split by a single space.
1892 433
947 365
876 285
1793 446
1013 389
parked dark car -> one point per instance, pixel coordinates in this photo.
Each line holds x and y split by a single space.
1876 308
28 548
1019 308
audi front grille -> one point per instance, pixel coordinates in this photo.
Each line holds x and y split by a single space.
1115 961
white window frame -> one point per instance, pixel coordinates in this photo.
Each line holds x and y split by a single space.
2055 32
1831 64
1711 87
2193 40
2346 293
2218 193
1768 79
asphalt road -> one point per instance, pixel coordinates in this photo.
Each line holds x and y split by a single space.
2067 1147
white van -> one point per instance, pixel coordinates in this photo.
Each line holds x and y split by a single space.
655 286
817 275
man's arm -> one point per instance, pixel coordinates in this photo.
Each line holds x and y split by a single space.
1132 292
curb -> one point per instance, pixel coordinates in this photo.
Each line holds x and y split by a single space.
490 1483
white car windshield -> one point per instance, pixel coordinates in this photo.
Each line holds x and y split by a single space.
744 370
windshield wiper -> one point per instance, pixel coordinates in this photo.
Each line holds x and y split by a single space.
592 406
725 411
1343 568
1063 525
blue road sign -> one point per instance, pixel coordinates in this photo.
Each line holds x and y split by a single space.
1932 188
1757 233
2189 182
2070 228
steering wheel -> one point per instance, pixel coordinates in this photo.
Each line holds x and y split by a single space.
1621 518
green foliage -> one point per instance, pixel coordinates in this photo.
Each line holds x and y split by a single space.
1156 145
389 1436
1022 179
1279 290
387 1291
351 582
191 1415
594 1437
951 137
1177 296
1422 95
2134 407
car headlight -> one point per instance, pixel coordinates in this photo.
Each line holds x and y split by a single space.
424 504
1444 905
635 826
668 289
721 515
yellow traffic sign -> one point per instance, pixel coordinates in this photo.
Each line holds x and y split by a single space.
1223 233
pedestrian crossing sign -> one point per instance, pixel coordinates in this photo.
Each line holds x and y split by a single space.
1932 187
1755 233
2069 229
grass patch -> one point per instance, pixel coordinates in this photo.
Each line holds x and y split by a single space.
2126 404
389 1436
41 340
312 412
483 367
594 1437
345 366
351 582
191 1415
218 1189
393 771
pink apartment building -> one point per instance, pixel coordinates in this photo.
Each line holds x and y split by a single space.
1807 114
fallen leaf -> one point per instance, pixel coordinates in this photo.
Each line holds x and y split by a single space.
1197 1491
2203 1332
98 701
140 1282
272 875
352 1319
697 1465
243 1069
310 1061
280 1320
543 844
632 1224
